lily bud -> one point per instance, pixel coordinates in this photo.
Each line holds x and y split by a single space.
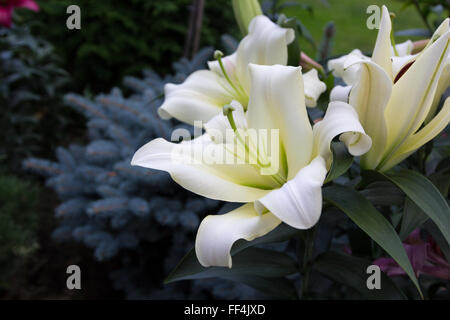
419 45
244 12
308 63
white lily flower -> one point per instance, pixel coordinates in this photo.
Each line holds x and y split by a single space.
350 76
203 94
281 177
313 87
395 96
343 67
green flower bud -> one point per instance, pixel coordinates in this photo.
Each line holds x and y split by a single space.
244 12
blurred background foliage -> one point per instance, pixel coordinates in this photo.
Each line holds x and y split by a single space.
32 82
349 17
119 38
18 223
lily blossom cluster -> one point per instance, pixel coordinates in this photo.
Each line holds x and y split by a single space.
425 256
7 7
388 109
205 92
252 91
291 193
396 93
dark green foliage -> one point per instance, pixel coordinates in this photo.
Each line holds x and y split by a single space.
30 81
17 224
119 38
432 13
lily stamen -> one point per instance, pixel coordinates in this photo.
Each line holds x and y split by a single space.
392 15
218 56
249 146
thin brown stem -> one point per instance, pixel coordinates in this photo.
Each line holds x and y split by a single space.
198 26
190 29
424 18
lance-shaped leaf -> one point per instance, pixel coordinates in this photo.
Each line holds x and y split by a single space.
281 233
364 214
383 193
258 268
251 262
422 192
352 271
440 240
413 218
342 161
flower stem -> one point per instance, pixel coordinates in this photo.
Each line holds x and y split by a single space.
305 260
422 16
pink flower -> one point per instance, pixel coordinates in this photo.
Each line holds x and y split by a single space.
425 257
7 7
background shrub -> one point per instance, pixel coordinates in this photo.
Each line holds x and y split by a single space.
119 38
18 222
30 93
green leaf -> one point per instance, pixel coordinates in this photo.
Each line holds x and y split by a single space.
413 218
329 81
251 262
443 166
422 192
441 181
352 271
439 238
342 161
281 233
304 32
364 214
260 269
383 193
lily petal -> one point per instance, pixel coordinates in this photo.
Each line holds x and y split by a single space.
427 133
340 68
399 62
413 93
204 93
200 97
299 201
443 84
277 102
193 165
265 44
440 31
340 119
217 233
382 51
340 93
404 48
370 97
313 87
